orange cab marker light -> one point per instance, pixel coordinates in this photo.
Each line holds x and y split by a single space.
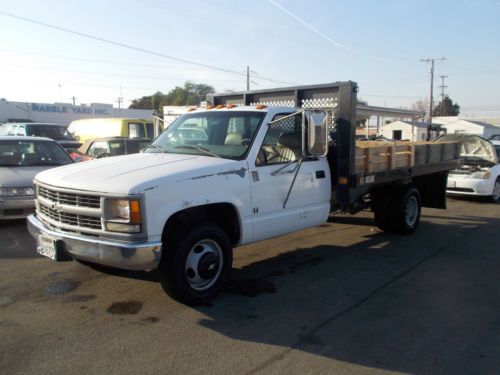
220 106
210 106
229 106
260 106
343 181
191 109
135 212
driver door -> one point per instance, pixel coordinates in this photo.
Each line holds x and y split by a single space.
278 160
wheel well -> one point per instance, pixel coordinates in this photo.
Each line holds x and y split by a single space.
222 214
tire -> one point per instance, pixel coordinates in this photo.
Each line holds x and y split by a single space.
405 210
495 197
381 206
196 263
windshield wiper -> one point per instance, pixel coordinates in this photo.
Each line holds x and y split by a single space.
155 147
201 149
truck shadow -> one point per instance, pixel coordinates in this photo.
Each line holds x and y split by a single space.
364 304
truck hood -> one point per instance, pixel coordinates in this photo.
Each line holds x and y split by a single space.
473 147
131 174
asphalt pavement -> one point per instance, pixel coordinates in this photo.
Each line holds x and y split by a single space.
341 298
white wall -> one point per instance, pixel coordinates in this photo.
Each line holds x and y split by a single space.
462 126
409 132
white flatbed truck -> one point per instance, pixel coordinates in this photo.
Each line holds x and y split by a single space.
237 172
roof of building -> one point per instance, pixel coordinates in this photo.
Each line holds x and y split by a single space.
409 123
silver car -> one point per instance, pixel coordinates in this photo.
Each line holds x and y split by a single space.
21 158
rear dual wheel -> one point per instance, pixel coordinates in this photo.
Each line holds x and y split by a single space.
398 210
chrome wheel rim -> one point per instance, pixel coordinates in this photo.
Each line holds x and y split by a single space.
411 211
203 264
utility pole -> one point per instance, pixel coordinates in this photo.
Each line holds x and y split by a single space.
119 101
443 102
432 60
248 78
74 100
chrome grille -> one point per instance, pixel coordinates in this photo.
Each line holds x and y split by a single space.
71 219
70 199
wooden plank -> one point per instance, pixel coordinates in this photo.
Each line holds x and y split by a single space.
377 156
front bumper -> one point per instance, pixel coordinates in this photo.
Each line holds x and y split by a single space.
16 208
470 186
130 256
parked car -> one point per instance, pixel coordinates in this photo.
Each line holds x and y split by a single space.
57 132
86 129
479 174
113 146
21 158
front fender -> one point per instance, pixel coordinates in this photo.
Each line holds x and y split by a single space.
164 201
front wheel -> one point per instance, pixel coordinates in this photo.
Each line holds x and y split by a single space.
196 263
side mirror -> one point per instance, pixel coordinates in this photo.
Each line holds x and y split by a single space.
315 132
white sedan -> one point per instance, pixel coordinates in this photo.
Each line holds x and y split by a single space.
479 174
21 158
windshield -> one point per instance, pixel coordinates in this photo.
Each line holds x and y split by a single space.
49 131
224 134
32 153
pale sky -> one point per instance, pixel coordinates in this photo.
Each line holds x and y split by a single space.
378 44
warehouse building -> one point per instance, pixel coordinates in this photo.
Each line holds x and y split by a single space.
64 113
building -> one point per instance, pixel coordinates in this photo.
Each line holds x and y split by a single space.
482 127
411 131
64 113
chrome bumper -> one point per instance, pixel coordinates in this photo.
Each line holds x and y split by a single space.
130 256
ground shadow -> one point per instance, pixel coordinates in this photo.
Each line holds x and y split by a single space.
363 304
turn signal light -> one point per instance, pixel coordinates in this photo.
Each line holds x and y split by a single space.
135 212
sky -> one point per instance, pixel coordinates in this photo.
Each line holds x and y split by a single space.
132 48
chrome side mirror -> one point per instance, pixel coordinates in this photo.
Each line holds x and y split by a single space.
315 132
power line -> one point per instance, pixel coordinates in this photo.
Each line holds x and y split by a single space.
106 74
139 49
75 58
389 96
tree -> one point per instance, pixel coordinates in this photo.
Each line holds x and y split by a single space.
420 105
190 94
142 103
446 107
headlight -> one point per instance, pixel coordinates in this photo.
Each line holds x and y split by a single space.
16 191
123 215
481 175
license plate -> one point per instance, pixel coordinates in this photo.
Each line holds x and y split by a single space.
46 246
451 184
